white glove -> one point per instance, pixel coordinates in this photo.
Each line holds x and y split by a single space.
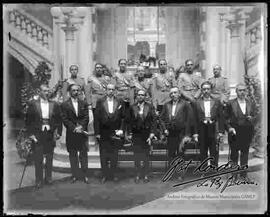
232 130
33 137
119 132
195 136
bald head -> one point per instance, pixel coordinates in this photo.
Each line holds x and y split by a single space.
110 91
241 91
174 93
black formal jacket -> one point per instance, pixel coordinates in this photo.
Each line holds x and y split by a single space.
216 111
75 141
181 121
145 123
235 116
34 118
105 123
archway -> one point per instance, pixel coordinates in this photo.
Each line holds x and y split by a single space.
17 75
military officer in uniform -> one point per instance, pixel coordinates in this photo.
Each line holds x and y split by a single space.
74 79
220 86
142 83
189 83
162 83
96 87
124 83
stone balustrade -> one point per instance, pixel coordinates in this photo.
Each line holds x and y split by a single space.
31 27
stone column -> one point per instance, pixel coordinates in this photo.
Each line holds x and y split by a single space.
236 60
84 46
212 52
153 48
111 35
182 34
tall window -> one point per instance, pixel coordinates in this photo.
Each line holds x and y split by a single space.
146 33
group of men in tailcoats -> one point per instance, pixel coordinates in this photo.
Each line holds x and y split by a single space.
125 105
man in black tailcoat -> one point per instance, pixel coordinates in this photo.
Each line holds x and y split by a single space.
44 126
75 118
109 122
142 126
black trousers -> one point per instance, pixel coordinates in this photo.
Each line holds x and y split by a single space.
108 158
74 159
240 143
141 154
208 141
174 139
43 147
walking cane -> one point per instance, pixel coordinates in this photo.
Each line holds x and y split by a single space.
25 165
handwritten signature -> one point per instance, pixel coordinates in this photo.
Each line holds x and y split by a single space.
180 165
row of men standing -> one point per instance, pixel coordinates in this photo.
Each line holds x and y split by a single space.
111 113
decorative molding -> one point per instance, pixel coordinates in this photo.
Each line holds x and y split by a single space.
22 41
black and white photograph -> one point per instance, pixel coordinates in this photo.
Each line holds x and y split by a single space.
113 108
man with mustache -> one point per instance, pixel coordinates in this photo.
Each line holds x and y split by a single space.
108 122
43 123
75 117
142 125
240 125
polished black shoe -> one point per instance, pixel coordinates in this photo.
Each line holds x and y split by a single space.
137 179
146 179
115 179
38 186
86 180
48 181
73 180
103 180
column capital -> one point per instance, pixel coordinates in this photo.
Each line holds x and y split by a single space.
234 29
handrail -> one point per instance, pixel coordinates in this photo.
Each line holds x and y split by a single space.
31 27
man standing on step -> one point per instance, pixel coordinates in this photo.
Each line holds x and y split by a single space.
75 117
74 79
176 116
142 125
109 122
240 125
43 123
209 125
163 81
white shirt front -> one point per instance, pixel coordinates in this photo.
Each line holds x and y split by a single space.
75 105
207 110
44 104
173 108
242 105
141 106
110 104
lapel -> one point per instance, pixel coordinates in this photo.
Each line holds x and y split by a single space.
212 102
38 106
236 108
248 107
135 110
105 103
115 104
178 105
51 105
201 103
170 110
72 107
145 110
